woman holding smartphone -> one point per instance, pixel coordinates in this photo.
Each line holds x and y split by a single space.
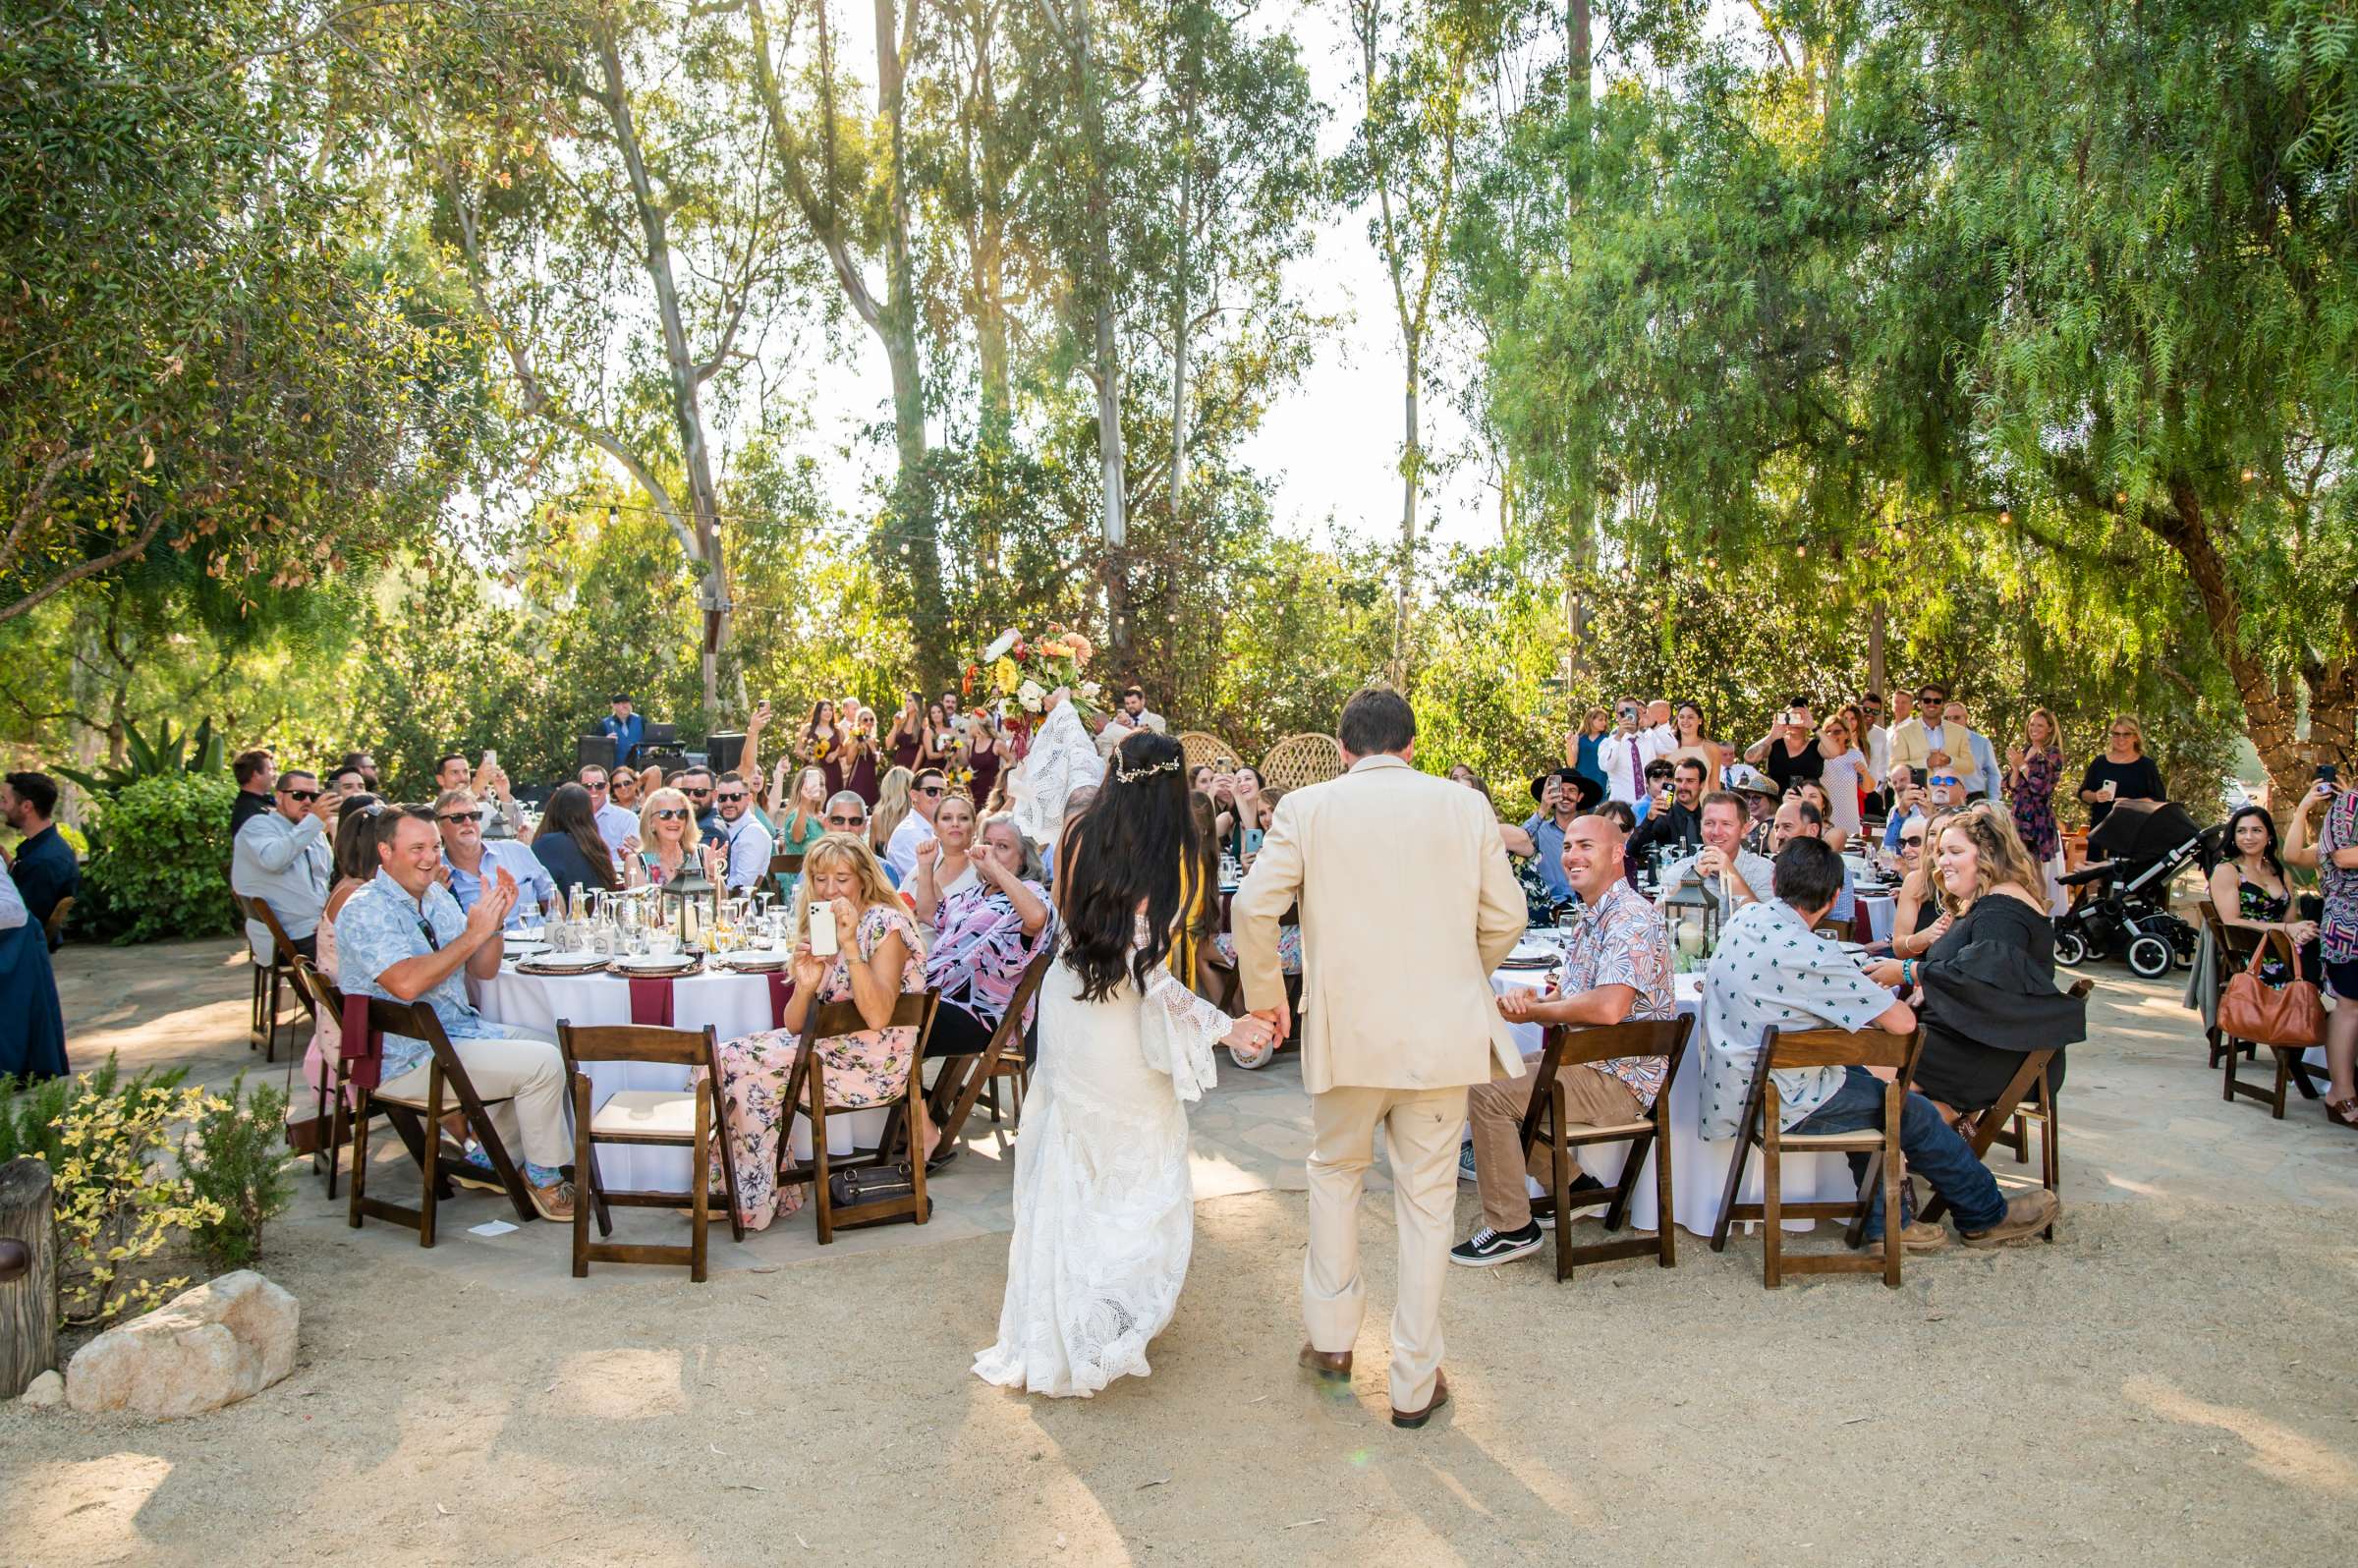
2123 773
2333 856
855 942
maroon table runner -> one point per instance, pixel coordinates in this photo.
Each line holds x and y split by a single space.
651 1000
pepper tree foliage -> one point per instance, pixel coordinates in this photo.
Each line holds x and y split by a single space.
211 347
2044 303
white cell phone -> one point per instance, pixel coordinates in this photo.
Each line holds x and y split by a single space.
492 759
823 930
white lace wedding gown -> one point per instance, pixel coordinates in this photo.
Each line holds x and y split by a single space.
1062 759
1104 1211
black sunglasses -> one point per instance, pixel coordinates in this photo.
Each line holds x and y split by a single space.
1912 840
596 789
931 789
670 814
695 795
734 795
461 817
304 796
847 821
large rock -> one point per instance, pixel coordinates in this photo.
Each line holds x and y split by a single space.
205 1348
45 1390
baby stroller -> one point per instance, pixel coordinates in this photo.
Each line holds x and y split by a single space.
2133 855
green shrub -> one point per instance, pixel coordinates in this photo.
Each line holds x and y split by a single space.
236 1156
160 868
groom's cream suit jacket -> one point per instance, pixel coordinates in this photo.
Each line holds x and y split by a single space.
1407 903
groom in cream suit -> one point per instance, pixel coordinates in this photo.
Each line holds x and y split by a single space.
1407 905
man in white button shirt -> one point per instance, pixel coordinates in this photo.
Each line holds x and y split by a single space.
925 799
615 823
1879 738
747 841
1624 754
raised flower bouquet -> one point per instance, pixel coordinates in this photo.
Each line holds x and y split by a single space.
1016 674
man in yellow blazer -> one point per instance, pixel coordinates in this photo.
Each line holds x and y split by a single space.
1407 903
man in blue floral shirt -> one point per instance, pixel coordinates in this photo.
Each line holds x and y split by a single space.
1773 971
403 938
1617 968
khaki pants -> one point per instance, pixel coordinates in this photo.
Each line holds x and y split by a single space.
528 1074
1496 1112
1420 1133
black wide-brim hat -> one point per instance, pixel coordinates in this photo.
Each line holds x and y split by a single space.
1591 793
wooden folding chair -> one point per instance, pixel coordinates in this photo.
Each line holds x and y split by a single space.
2232 947
2293 1066
270 980
965 1079
806 1092
1783 1051
688 1118
781 866
331 1105
419 1124
1545 1117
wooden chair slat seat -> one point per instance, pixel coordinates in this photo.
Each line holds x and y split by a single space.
331 1099
418 1122
691 1118
272 981
806 1092
1545 1117
2029 1096
1783 1051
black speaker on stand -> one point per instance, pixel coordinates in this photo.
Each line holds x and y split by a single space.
595 751
723 751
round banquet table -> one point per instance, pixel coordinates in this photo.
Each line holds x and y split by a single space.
1698 1166
735 1005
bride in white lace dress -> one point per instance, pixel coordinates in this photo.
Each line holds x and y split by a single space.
1104 1211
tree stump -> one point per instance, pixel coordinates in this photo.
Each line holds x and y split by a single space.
27 1274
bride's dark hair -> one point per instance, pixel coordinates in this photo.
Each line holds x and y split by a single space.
1126 850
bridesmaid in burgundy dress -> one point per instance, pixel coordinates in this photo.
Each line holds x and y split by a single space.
902 742
860 757
983 755
822 744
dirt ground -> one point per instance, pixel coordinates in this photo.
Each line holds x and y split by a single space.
2169 1382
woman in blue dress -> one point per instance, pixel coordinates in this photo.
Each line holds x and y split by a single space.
32 1027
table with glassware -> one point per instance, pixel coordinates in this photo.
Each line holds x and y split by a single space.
1698 1165
578 969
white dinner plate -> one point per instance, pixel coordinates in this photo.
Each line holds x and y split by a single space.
569 961
650 961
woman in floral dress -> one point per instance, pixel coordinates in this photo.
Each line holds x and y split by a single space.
2032 771
880 961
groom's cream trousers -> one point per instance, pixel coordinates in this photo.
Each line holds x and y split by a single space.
1421 1128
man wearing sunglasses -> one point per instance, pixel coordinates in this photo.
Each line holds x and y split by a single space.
475 861
695 783
1911 742
925 799
282 857
748 841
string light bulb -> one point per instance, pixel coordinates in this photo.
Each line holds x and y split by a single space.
2120 498
613 515
2249 476
2006 517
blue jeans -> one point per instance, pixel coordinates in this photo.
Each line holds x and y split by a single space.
1932 1147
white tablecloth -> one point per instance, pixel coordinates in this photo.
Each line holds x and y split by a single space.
1698 1166
1879 907
734 1005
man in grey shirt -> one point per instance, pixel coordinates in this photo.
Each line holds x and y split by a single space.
282 857
1722 862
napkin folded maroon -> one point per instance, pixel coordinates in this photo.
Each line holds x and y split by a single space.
651 1000
363 1047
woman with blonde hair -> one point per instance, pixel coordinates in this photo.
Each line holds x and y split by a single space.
801 819
892 804
668 837
2033 769
1580 746
1920 915
1988 985
2121 772
877 961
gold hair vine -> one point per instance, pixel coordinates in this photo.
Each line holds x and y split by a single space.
1131 775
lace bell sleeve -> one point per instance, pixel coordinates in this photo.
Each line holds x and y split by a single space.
1062 759
1177 1030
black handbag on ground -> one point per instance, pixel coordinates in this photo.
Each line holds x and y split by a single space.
869 1184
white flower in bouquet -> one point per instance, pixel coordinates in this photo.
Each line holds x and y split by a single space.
1091 690
1030 696
1000 645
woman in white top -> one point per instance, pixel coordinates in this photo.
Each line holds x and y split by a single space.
944 866
1846 767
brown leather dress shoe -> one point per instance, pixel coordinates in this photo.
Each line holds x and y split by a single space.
1330 1366
1413 1419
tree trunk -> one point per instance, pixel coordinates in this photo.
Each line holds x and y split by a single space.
1876 631
1106 357
686 402
1412 461
27 1299
1580 68
1180 325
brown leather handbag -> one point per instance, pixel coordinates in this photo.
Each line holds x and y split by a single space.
2290 1014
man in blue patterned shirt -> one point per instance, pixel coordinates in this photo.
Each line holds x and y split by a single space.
1771 970
1617 968
403 938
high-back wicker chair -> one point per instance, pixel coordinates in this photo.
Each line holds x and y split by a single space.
1301 760
1204 749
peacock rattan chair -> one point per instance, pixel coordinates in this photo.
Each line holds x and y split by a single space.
1301 760
1205 750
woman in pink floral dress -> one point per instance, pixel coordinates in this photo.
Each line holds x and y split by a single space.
880 960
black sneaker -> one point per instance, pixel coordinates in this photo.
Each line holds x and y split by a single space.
1487 1247
1542 1210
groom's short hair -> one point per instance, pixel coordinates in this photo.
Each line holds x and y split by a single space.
1376 719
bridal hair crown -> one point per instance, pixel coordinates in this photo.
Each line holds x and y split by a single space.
1131 775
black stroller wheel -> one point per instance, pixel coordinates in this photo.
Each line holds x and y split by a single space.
2070 950
2150 957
